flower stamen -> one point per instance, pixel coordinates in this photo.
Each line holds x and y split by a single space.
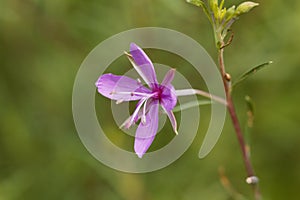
143 118
131 93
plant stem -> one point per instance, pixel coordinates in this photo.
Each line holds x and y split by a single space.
236 124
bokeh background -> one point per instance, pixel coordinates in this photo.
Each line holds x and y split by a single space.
42 44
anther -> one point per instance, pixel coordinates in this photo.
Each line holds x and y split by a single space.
112 92
127 54
119 101
143 119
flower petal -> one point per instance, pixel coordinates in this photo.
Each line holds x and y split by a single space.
168 97
172 119
146 132
169 77
120 88
144 65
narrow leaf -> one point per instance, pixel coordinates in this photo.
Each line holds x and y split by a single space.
198 3
201 4
221 4
251 72
191 105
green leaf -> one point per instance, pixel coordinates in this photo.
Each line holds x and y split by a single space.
214 6
198 3
201 4
191 105
222 4
251 72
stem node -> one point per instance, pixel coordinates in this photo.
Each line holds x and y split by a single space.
252 180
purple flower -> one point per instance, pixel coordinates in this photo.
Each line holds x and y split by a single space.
122 88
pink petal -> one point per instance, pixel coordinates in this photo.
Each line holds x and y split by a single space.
120 88
145 65
169 77
168 97
172 119
146 132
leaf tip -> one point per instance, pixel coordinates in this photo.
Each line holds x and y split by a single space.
195 2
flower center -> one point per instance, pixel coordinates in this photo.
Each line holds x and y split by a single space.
158 92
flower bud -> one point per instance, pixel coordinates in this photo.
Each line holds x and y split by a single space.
245 7
213 5
230 13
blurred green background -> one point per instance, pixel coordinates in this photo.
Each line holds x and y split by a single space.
42 44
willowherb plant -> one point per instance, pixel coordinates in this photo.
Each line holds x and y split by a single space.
154 95
150 97
221 20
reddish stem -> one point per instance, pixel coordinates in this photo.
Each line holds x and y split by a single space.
236 124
